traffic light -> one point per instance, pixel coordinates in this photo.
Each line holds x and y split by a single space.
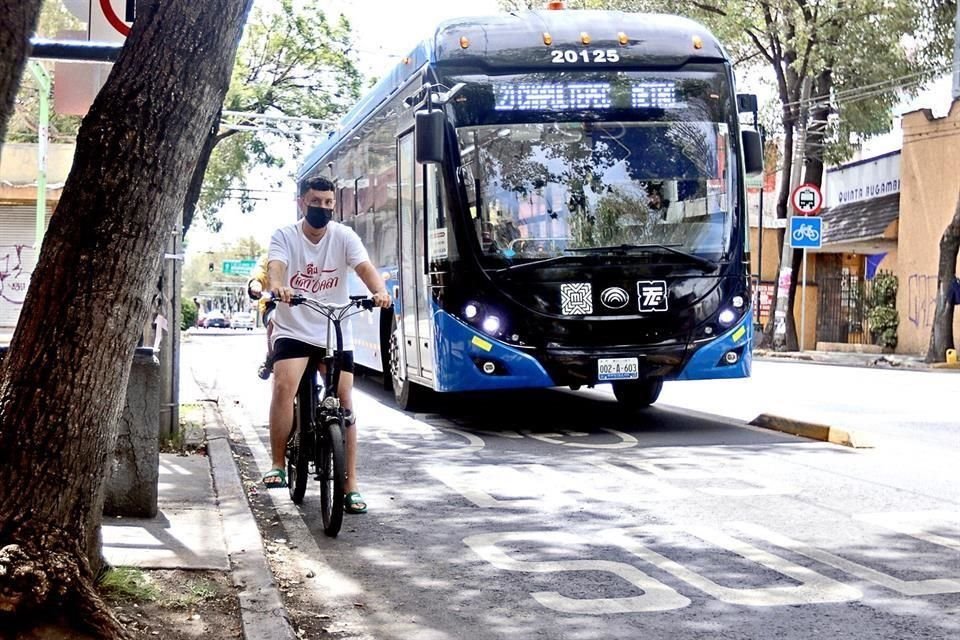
211 267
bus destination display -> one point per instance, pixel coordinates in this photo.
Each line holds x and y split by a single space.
579 96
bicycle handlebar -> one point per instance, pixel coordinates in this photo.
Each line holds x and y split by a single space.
331 310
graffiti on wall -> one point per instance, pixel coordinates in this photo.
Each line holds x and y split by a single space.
14 279
922 299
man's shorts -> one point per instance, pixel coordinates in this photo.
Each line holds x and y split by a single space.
288 348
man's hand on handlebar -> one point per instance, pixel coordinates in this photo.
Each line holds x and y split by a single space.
381 299
282 294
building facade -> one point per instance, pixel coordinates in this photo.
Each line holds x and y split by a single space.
930 188
19 244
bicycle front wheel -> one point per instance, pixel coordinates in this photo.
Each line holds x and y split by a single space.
332 476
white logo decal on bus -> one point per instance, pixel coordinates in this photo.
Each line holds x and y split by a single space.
652 295
614 298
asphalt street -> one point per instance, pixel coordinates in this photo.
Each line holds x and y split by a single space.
553 514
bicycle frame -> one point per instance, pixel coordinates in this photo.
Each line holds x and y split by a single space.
333 360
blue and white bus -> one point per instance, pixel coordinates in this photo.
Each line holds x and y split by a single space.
558 199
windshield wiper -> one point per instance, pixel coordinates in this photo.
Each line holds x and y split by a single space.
537 263
704 263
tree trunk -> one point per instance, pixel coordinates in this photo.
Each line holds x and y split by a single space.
941 337
63 380
199 172
18 19
781 214
812 174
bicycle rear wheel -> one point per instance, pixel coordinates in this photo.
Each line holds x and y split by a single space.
299 445
332 476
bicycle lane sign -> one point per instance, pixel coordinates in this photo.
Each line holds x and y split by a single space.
806 232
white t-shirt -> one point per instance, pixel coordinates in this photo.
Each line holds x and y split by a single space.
316 271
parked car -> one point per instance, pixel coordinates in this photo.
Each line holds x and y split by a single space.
216 319
243 320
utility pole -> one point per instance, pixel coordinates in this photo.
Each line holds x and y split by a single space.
763 180
956 55
786 256
43 138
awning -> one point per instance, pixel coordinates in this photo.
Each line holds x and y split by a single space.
862 220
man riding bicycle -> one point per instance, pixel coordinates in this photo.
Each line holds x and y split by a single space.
311 258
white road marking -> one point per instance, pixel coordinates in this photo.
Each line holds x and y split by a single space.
641 487
690 469
626 440
813 588
409 429
917 524
478 483
905 587
656 595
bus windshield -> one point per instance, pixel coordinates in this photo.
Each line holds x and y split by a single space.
540 184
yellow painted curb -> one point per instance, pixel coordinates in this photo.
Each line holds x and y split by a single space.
810 430
946 365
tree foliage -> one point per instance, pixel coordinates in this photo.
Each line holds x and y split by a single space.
197 275
23 125
882 310
18 18
293 61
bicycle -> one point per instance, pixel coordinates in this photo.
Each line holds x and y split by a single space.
805 231
317 435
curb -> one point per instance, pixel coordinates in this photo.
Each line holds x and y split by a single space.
263 614
946 365
811 430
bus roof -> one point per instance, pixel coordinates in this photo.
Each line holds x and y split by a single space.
515 42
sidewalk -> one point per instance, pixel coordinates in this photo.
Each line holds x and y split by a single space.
205 522
877 360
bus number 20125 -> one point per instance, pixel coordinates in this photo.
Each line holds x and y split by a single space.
571 56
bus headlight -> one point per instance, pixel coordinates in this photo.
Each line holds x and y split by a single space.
470 310
738 302
727 317
491 324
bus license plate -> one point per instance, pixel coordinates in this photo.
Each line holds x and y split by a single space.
617 369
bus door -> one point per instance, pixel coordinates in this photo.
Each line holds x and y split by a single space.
415 322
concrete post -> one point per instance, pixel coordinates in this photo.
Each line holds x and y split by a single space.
133 469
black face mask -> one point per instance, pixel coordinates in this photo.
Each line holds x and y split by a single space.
318 217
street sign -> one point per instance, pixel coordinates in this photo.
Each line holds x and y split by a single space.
806 232
238 267
110 20
807 199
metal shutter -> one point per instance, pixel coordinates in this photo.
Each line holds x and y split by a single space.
17 259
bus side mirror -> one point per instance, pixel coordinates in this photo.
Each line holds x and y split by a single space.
747 103
752 153
429 136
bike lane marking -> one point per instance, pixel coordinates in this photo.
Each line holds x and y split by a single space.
656 595
917 524
686 468
927 587
627 441
407 427
814 588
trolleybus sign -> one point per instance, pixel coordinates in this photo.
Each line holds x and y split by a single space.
807 199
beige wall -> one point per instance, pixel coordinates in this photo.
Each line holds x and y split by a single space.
771 267
771 253
930 185
18 163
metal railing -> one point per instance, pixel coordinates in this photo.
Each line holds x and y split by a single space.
842 309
